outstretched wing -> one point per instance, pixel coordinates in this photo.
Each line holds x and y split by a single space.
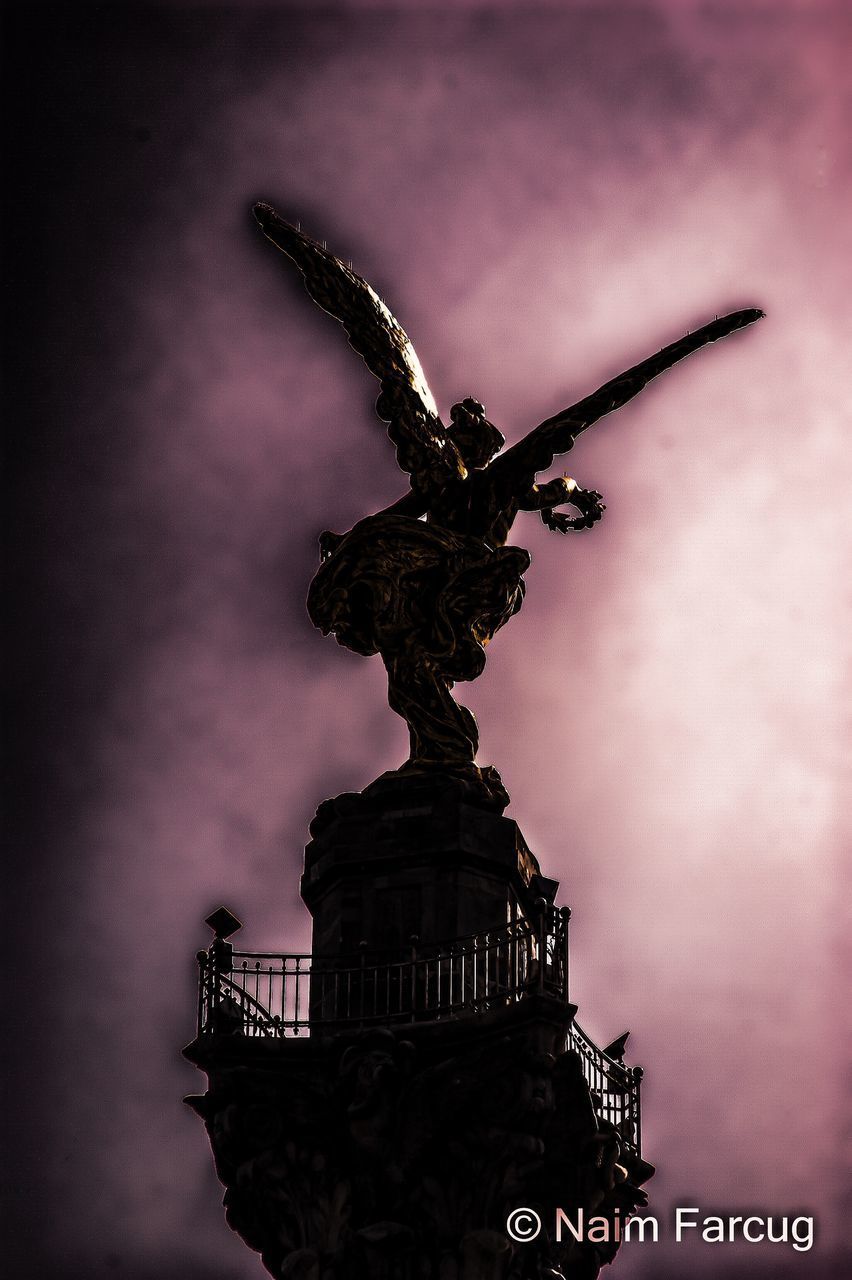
518 466
423 447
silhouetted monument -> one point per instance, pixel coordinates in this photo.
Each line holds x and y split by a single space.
379 1108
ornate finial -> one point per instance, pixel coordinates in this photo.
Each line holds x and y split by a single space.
223 922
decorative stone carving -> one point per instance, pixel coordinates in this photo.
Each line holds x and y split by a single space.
399 1154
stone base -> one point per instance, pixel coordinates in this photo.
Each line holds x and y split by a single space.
398 1155
422 853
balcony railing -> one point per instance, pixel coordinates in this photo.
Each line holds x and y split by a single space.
262 995
615 1088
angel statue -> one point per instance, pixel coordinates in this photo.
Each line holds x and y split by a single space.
428 581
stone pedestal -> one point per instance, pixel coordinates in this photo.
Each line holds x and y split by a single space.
425 856
391 1141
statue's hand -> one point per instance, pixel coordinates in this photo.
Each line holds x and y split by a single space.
588 502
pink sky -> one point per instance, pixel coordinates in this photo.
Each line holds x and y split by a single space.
542 199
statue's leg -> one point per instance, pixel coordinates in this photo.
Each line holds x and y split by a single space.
477 602
439 729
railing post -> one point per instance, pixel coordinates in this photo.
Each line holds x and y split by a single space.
541 903
637 1073
219 957
414 939
201 957
362 948
566 917
220 962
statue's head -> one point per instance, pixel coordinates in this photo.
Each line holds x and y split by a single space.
476 439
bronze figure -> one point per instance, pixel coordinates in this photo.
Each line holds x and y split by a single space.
429 594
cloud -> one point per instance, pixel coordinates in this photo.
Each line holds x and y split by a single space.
542 199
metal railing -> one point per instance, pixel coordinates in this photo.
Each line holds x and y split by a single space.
615 1088
268 995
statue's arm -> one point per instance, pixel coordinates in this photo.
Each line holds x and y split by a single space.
410 504
552 494
545 497
515 470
